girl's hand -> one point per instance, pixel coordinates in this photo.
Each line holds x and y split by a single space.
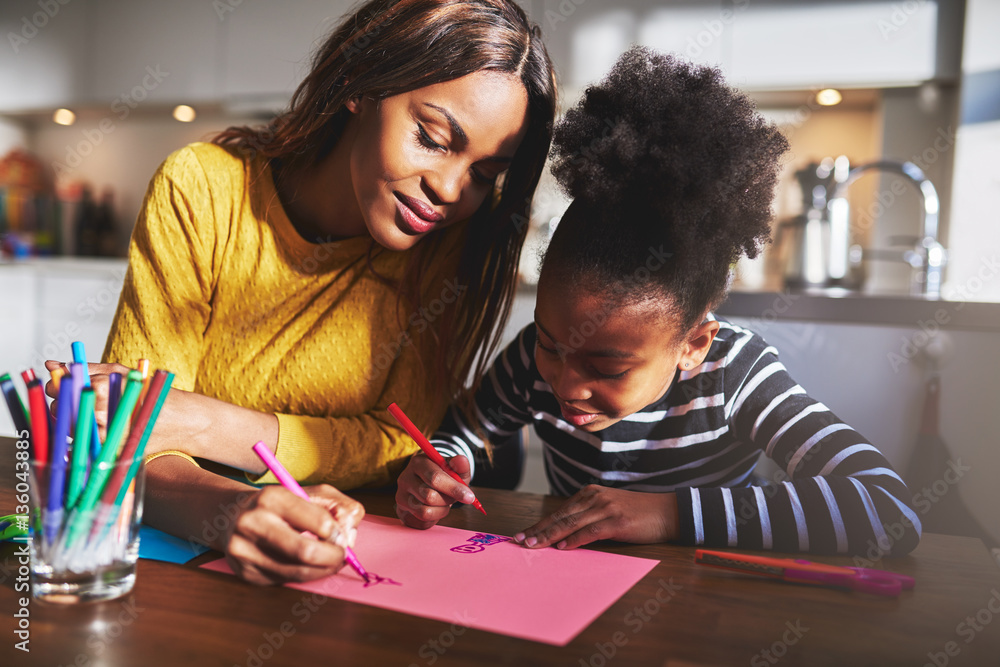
269 542
98 380
425 492
601 513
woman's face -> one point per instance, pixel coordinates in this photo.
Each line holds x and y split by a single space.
425 159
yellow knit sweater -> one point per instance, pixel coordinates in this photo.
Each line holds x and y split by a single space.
222 291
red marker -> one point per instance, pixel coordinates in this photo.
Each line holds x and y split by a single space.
39 409
428 448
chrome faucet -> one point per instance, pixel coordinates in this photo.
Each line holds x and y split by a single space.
927 256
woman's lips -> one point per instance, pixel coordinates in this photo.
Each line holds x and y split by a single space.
418 217
577 417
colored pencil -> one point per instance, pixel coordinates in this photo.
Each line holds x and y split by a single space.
143 418
147 432
114 394
15 405
143 367
81 449
77 372
118 510
80 357
39 409
57 468
100 470
57 375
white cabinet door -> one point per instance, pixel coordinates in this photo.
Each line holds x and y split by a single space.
46 305
848 43
165 52
267 45
17 332
761 44
44 62
76 304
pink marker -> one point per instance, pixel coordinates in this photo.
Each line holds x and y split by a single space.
287 481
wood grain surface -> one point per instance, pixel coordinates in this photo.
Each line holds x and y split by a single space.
680 614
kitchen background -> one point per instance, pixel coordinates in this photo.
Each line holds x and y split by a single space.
918 81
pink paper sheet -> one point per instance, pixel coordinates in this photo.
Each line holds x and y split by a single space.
481 581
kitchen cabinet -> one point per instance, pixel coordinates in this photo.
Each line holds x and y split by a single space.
44 63
113 55
777 46
765 44
266 46
154 52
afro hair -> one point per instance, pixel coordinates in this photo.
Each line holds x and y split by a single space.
662 154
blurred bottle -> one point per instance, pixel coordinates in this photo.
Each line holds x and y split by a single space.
86 240
106 225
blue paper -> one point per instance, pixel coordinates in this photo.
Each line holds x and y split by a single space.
156 545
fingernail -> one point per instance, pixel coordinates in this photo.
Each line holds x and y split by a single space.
468 498
561 545
519 537
531 541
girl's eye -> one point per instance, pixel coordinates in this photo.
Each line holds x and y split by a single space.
609 376
426 141
547 350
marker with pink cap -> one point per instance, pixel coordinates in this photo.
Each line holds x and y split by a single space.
287 481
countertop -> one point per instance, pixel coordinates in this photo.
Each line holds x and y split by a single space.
907 312
850 308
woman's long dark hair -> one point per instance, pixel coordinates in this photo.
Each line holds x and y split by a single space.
388 47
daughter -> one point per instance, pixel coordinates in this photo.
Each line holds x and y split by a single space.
652 411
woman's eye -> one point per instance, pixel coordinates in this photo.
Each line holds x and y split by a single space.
426 141
480 178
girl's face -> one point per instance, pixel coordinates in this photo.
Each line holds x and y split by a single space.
425 159
606 362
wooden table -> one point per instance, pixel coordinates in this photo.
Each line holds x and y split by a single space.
679 614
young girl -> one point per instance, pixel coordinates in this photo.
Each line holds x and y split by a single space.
652 411
361 249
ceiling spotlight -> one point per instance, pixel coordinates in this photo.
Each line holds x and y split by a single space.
828 97
64 117
184 113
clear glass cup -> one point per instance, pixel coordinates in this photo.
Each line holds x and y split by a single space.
83 552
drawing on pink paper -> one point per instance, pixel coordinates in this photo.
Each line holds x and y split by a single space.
545 595
374 580
479 542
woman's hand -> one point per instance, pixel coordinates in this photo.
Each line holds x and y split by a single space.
188 422
601 513
99 380
425 492
273 539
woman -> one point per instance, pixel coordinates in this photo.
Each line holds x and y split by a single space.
359 250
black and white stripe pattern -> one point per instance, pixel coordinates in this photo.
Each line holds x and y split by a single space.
836 493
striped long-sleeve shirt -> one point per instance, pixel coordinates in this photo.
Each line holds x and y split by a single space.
835 492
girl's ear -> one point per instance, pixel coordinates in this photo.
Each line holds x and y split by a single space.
697 345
